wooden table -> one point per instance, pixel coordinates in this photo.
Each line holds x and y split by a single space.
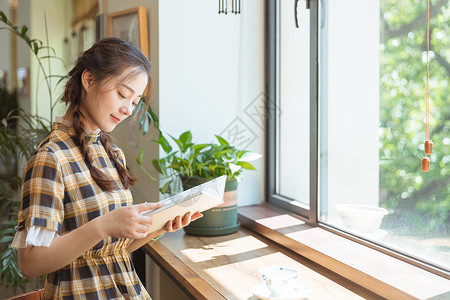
225 267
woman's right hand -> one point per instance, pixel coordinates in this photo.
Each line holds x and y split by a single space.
127 222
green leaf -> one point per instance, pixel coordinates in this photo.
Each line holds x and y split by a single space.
8 231
3 16
224 153
16 268
35 47
140 157
200 147
146 126
156 165
24 30
222 141
178 142
245 165
186 137
153 116
164 143
165 189
6 239
247 155
6 254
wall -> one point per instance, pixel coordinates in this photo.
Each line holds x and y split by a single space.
212 75
56 14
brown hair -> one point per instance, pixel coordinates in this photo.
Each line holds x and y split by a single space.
106 59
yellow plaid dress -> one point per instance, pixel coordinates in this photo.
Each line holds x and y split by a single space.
59 194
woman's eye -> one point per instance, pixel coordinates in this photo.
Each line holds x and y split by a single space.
121 96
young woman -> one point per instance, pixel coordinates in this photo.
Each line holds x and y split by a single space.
77 222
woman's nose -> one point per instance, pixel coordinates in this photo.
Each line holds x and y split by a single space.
127 109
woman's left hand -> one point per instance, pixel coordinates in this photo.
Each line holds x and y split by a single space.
180 222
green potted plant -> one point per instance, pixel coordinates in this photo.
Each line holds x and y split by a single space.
193 164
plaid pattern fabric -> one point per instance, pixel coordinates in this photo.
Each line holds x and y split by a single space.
58 193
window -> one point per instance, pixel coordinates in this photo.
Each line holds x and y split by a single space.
348 141
290 120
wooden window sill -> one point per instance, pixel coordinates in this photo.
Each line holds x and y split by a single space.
377 272
225 267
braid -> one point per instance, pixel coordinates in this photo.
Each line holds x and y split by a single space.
99 177
125 176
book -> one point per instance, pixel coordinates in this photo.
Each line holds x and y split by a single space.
198 198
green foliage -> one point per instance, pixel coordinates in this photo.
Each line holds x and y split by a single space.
420 201
145 117
20 134
9 103
208 160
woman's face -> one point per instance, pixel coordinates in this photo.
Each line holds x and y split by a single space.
108 103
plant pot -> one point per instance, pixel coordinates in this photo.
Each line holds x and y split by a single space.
219 220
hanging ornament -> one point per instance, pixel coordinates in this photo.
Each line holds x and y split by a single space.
428 143
229 6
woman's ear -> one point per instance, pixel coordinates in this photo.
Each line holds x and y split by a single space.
87 79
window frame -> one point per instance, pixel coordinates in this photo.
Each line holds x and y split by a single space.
310 215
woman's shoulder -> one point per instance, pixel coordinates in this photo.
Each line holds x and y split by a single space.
58 143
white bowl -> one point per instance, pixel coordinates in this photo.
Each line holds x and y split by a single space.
363 218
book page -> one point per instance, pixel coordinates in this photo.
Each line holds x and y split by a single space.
198 198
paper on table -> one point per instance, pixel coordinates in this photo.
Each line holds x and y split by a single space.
198 198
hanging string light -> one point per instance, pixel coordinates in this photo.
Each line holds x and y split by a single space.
232 6
428 142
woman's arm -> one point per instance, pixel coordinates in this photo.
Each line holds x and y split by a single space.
171 226
124 222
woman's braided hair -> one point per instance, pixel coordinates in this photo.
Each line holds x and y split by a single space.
106 59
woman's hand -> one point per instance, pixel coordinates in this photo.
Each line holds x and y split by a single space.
180 222
127 222
173 225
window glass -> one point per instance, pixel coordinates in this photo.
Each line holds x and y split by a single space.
293 96
372 130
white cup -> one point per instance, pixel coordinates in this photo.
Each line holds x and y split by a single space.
278 279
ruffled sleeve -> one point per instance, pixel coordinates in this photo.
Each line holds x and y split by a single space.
42 210
35 236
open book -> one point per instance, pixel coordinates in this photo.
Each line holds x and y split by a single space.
198 198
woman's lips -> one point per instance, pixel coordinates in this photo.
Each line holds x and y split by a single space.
117 120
